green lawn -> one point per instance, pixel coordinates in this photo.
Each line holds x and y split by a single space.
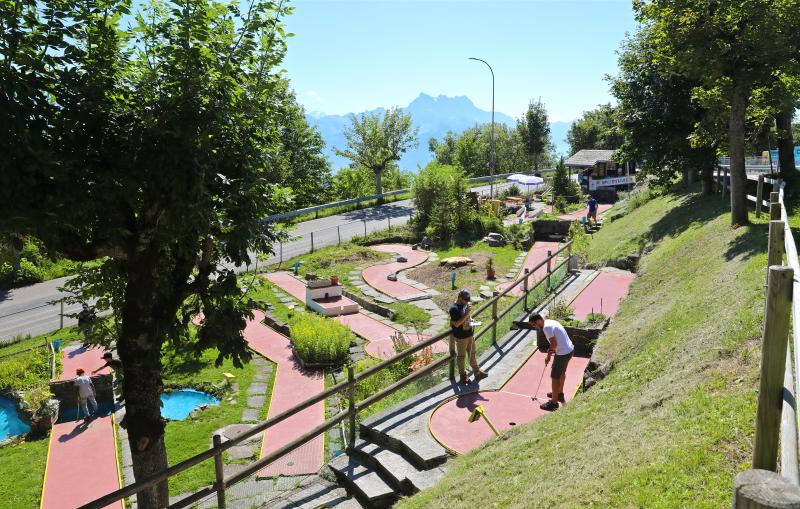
22 473
673 422
409 314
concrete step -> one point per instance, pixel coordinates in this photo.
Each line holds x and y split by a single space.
363 482
418 447
400 473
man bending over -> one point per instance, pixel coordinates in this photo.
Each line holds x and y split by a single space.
562 347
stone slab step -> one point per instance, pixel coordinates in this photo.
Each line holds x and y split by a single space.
398 471
413 444
363 482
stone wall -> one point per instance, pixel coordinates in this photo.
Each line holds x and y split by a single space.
546 229
276 324
67 394
369 305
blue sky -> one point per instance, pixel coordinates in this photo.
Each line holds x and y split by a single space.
357 55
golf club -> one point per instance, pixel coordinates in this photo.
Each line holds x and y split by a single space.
536 393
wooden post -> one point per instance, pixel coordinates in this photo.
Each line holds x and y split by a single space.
789 465
549 269
280 258
351 407
773 363
759 194
774 206
452 363
389 220
724 182
365 228
525 289
61 315
338 235
761 489
312 242
494 317
775 245
219 485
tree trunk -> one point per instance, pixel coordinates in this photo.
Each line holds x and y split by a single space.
707 174
535 163
783 122
736 147
379 184
140 352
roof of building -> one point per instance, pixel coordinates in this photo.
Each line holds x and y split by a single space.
586 158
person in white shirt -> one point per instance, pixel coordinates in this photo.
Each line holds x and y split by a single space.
560 346
85 393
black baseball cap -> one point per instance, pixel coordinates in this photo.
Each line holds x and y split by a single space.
464 294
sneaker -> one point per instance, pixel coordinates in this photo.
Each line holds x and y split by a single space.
480 375
560 397
464 380
549 406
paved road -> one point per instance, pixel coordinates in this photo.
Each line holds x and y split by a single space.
27 310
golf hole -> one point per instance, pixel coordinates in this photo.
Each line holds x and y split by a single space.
513 423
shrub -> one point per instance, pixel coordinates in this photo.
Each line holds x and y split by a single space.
27 274
563 186
512 190
319 340
560 310
440 195
25 370
580 241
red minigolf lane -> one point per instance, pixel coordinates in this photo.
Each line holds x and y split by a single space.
536 255
511 406
602 294
375 275
82 459
288 283
292 385
576 216
379 335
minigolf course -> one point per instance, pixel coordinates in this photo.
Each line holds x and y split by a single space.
377 275
82 457
291 386
603 294
536 255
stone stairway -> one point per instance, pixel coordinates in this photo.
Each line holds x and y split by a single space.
592 228
377 473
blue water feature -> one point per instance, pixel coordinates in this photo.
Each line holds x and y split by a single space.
10 422
177 405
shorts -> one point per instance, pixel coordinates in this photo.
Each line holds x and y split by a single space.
593 214
560 365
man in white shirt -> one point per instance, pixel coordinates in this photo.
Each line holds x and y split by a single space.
85 393
562 347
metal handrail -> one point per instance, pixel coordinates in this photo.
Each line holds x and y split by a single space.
347 385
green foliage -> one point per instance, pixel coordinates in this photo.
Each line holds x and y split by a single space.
356 180
580 241
534 130
22 466
596 129
564 189
560 310
440 196
375 141
512 190
25 369
319 340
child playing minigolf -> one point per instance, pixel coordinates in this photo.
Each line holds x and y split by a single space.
85 393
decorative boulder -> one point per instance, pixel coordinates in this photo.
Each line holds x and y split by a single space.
457 261
401 259
495 240
391 276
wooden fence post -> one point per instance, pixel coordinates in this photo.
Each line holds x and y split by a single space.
549 269
61 315
762 489
351 407
338 235
759 194
219 484
774 206
312 242
525 289
775 246
452 363
494 317
773 363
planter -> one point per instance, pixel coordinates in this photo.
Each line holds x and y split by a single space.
334 280
490 274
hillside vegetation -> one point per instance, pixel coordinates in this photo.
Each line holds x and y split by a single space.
673 422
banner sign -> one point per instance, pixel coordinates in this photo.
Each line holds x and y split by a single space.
611 182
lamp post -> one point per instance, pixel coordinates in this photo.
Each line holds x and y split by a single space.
491 157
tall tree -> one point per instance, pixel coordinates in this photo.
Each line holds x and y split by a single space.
730 47
147 146
534 130
375 141
596 129
658 116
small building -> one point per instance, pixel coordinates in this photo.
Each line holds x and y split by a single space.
325 297
598 171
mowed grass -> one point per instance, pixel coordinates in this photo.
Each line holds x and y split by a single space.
22 473
673 422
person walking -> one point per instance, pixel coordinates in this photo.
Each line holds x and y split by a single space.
461 323
592 215
86 319
560 346
86 393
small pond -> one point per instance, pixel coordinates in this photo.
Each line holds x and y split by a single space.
177 405
10 422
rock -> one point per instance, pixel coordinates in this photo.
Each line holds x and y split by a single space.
457 261
486 294
391 276
401 259
240 452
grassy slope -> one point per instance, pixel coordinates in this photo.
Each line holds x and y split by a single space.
673 422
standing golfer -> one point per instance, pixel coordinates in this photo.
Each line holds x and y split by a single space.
85 394
460 321
592 215
562 347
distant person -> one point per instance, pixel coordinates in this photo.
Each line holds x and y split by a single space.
114 364
562 347
461 323
592 215
86 320
85 393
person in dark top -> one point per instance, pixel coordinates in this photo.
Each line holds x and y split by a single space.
86 319
114 364
592 215
461 323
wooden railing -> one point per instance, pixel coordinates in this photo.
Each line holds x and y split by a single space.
345 388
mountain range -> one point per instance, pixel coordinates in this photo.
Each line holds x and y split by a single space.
434 116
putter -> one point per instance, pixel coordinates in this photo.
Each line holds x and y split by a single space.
536 394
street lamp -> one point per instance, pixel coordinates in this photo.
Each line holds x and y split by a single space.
491 157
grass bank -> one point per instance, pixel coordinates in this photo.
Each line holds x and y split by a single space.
672 424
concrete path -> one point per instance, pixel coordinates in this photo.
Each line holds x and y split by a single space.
82 458
576 216
292 385
603 294
536 255
376 275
